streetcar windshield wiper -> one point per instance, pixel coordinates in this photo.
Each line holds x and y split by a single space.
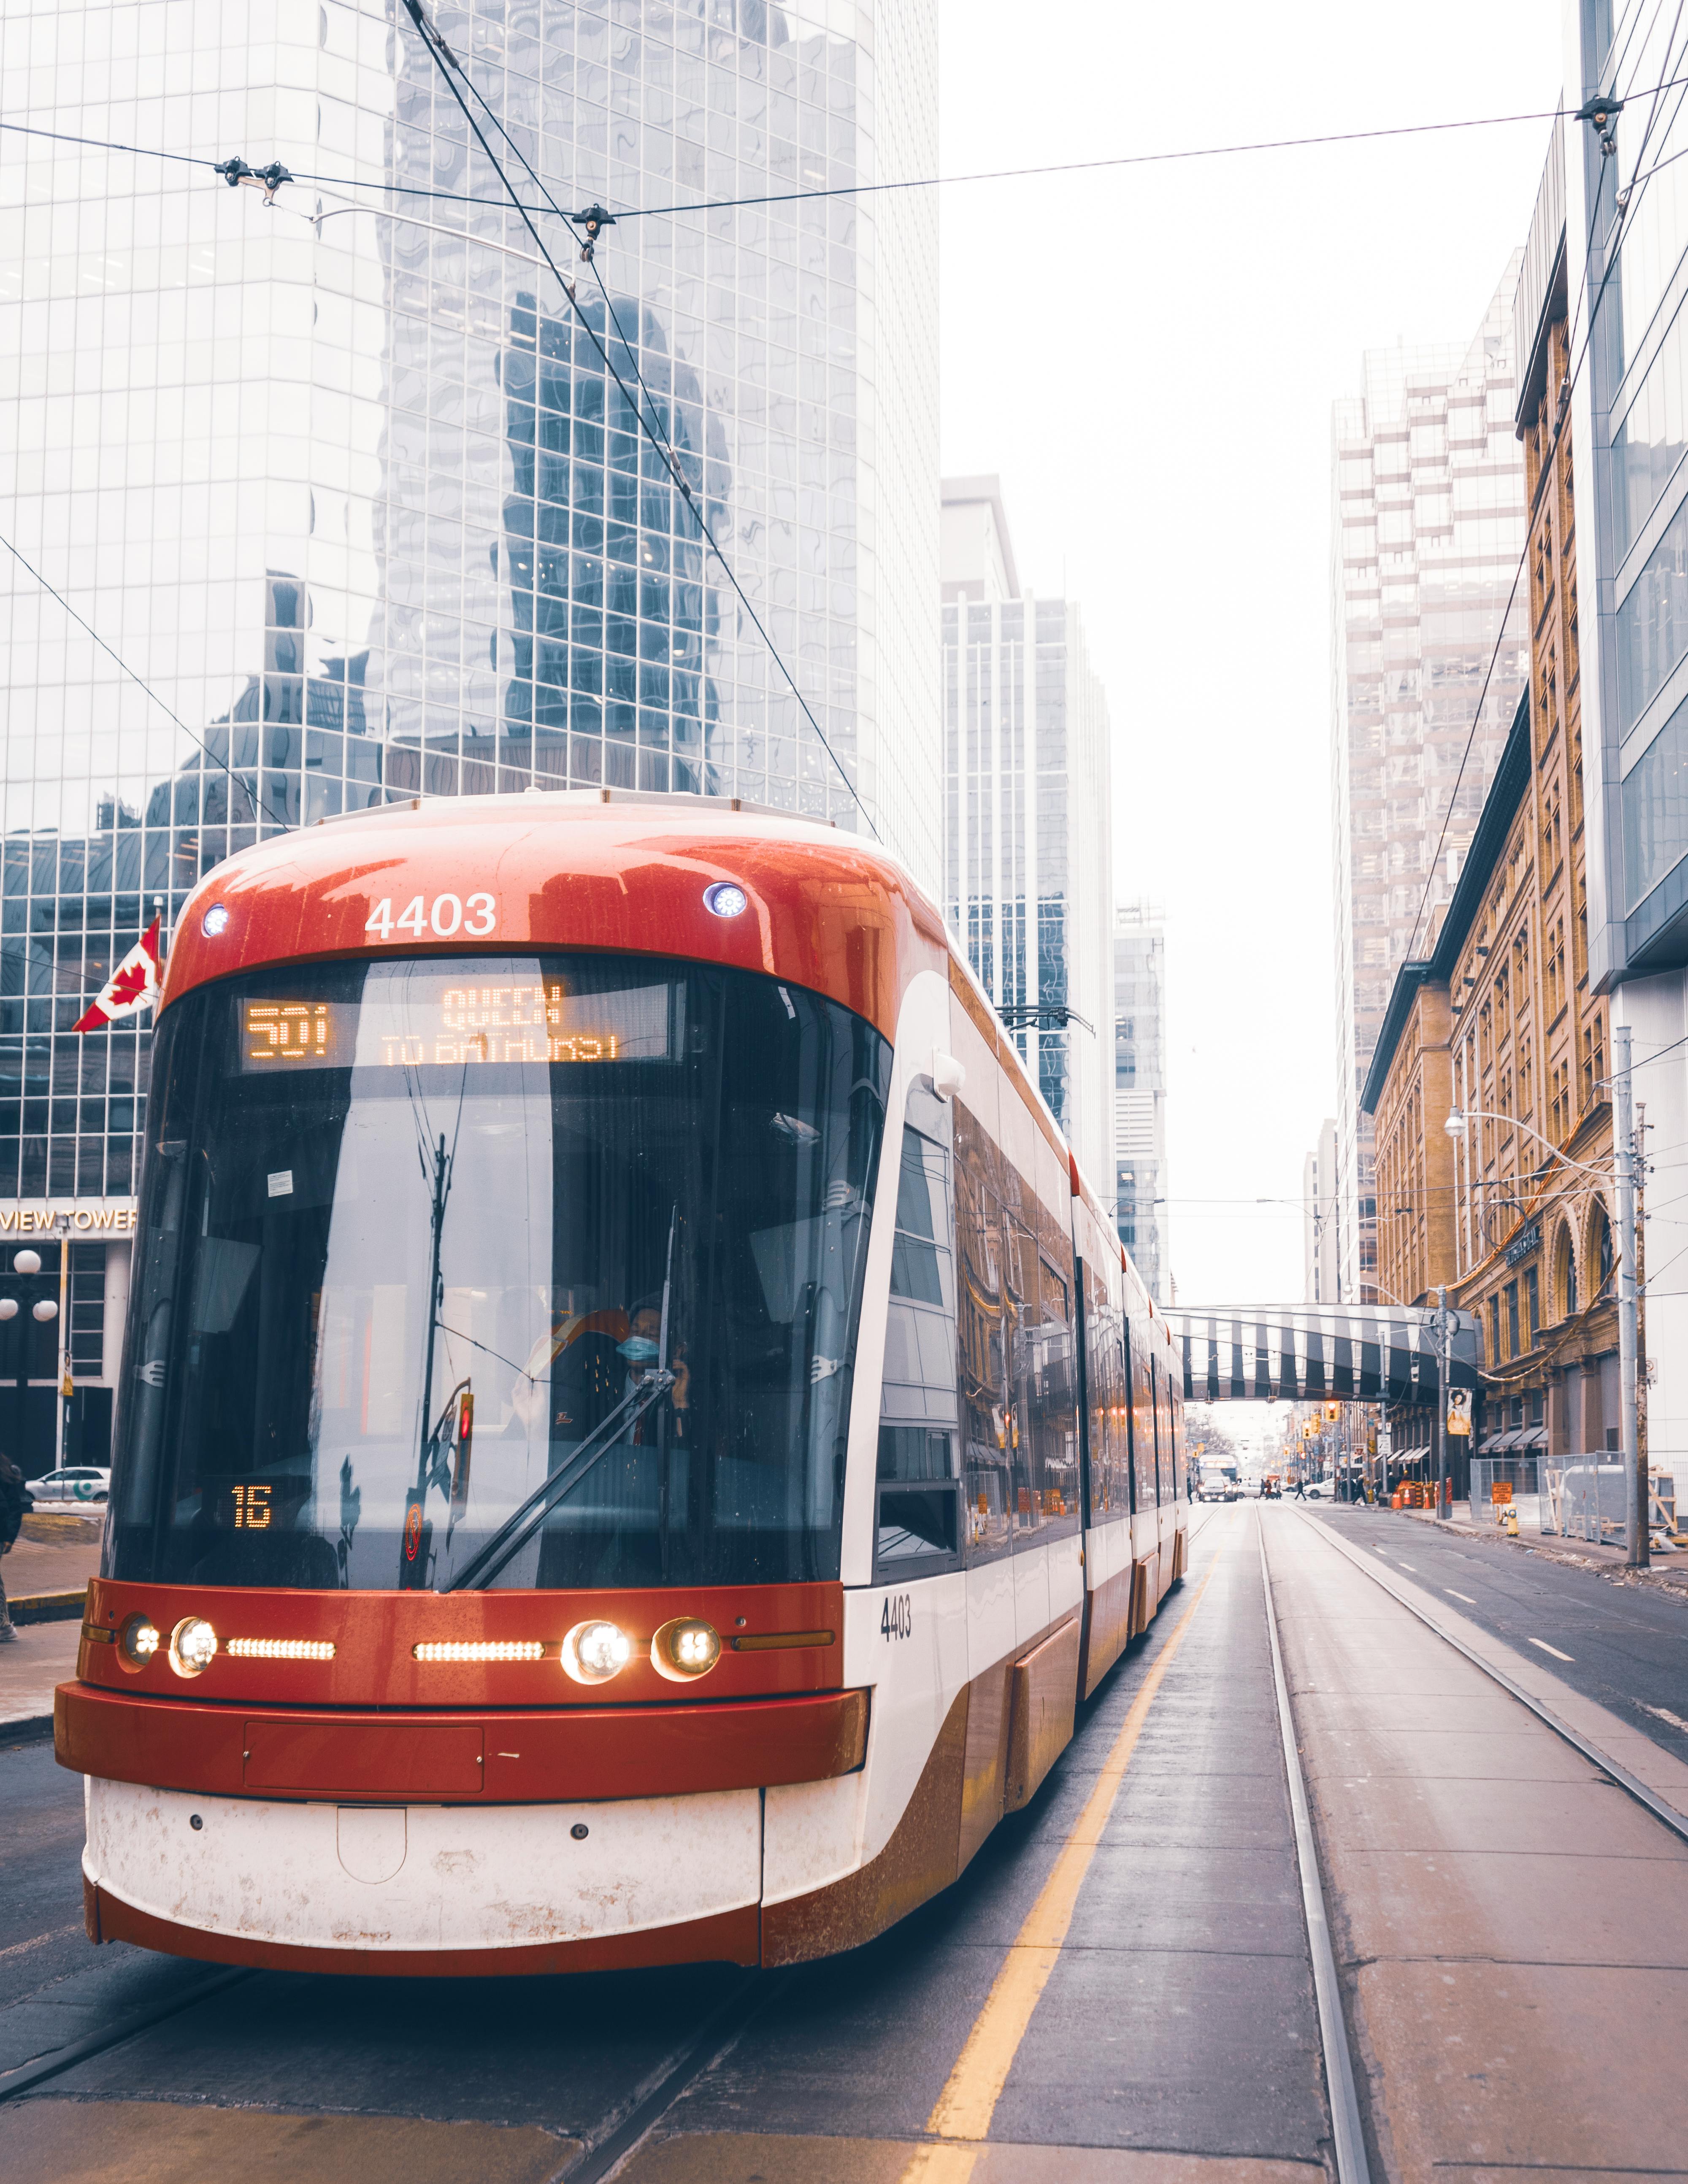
523 1522
519 1528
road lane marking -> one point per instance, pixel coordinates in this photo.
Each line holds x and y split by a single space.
969 2098
40 1941
1553 1650
1465 1596
1663 1712
1409 1566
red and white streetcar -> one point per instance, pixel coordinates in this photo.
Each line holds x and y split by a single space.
635 1433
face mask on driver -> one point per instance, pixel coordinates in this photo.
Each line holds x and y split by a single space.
638 1349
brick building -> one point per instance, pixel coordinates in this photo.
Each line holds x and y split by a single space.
1503 1022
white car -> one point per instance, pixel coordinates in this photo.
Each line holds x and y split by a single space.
76 1483
1320 1490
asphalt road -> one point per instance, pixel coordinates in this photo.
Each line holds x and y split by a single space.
1178 2017
1624 1645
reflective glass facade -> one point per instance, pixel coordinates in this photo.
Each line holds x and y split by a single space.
347 483
1139 1022
1027 853
1427 527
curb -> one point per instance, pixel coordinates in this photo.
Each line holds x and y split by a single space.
1555 1547
29 1726
48 1606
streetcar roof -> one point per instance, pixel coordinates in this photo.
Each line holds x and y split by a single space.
613 870
825 908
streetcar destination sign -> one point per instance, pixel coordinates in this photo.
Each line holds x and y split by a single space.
443 1019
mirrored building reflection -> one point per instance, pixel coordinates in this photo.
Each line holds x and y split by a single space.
374 508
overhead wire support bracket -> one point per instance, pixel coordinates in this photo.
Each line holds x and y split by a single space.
1603 110
594 220
268 179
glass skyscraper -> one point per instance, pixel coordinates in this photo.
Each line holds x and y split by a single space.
1427 526
1028 863
351 487
1139 1022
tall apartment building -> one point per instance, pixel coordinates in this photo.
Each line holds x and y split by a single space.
1027 861
1427 526
346 483
1139 1022
1319 1226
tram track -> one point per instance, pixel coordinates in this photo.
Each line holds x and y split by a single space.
128 2026
1347 2130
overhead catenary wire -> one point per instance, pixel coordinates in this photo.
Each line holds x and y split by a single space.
449 68
1102 164
254 790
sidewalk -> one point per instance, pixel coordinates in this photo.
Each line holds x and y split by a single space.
54 1555
1666 1573
42 1655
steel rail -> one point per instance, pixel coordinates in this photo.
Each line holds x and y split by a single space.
722 2030
1660 1810
1348 2132
126 2027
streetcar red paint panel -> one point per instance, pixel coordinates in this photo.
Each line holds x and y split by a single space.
825 910
381 1759
551 1757
373 1635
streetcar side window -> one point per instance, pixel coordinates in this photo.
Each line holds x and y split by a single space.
1017 1381
1143 1422
1106 1391
982 1372
918 1519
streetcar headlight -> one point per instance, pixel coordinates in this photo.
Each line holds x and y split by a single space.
192 1646
687 1647
592 1653
725 900
139 1640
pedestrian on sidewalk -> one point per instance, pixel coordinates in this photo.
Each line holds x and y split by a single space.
11 1524
1301 1493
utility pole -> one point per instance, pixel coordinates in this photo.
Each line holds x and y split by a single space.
1623 1150
1444 1507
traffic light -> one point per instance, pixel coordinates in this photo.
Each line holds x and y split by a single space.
1333 1412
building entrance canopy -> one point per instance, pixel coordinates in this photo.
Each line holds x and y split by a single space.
1295 1353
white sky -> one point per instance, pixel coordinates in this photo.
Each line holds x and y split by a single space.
1148 358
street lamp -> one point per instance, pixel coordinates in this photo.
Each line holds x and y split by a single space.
1623 1174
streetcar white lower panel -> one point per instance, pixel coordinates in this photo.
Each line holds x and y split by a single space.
422 1876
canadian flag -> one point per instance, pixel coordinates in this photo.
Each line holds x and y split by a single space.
131 985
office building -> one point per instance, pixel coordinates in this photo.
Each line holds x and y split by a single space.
1140 1021
353 487
1427 526
1027 849
1319 1283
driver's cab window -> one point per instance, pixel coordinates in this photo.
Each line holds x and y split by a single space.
918 1494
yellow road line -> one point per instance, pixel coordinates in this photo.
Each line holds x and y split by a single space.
969 2098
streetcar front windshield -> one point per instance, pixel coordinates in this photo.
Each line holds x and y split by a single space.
418 1236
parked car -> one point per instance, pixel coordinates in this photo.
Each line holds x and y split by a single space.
75 1482
1320 1490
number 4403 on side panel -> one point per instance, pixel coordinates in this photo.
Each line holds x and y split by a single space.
443 917
896 1617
